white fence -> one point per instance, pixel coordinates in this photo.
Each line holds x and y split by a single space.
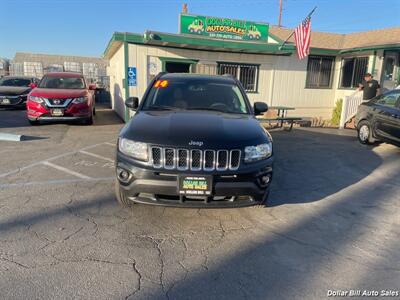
350 106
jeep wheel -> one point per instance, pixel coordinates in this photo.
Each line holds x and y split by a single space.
364 133
121 198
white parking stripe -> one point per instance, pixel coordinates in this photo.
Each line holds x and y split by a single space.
96 155
57 181
47 163
52 158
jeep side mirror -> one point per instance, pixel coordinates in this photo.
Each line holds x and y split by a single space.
132 103
260 107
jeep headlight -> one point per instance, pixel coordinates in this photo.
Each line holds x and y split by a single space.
80 100
134 149
254 153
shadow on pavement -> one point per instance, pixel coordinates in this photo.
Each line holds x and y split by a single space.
339 246
17 118
32 138
311 165
106 116
61 211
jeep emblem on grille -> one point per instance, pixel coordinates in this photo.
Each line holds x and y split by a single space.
196 143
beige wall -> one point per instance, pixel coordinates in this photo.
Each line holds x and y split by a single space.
289 89
116 72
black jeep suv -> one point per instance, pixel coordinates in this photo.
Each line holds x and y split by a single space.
194 141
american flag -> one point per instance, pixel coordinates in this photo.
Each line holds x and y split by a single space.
302 36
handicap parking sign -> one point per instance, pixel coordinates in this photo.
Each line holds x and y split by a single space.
132 76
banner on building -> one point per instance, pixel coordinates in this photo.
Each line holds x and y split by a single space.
223 28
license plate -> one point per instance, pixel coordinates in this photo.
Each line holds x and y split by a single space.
5 101
195 185
57 112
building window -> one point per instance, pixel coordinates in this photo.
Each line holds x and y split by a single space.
353 71
319 71
246 74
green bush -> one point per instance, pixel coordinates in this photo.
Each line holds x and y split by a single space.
337 111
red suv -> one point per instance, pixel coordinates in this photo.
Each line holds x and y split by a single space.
62 96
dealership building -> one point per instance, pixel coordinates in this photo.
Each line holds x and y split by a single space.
253 52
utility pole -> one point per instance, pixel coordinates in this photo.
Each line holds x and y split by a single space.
280 14
184 8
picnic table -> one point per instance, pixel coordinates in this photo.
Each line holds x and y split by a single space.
281 117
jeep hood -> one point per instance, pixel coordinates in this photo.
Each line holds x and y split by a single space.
177 129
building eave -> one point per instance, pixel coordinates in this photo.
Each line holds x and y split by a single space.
195 43
371 48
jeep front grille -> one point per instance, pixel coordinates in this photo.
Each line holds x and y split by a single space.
195 159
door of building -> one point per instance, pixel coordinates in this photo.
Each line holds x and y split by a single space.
177 67
390 73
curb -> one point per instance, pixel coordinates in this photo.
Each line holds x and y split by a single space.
10 137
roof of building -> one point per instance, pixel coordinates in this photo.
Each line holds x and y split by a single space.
321 42
336 41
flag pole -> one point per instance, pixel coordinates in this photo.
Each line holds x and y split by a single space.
308 16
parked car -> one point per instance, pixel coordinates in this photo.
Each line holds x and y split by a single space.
14 90
62 96
194 141
379 119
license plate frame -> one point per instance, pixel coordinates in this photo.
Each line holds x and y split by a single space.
5 101
195 185
57 112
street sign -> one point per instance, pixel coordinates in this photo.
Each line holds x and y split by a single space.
132 76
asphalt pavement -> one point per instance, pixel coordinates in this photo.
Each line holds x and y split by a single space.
332 223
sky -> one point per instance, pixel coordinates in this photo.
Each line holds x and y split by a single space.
83 27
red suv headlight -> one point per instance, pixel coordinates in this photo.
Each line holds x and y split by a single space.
80 100
36 99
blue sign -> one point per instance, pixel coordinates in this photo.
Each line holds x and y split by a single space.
132 76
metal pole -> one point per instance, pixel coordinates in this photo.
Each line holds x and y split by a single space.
280 14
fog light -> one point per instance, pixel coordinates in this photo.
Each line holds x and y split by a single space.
265 179
123 175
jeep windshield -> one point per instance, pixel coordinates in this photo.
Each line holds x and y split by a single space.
52 82
181 94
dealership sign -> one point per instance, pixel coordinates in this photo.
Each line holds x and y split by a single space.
223 28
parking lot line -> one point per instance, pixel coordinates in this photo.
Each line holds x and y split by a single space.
110 144
96 155
47 163
56 181
52 158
